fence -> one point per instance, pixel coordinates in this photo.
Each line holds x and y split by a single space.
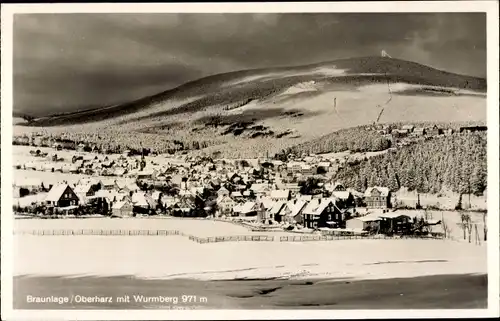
306 238
213 239
99 232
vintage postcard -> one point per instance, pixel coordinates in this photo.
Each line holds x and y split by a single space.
250 160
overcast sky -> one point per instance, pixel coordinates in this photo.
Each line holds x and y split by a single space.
66 62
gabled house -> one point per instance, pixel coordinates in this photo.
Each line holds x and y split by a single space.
377 197
143 202
222 192
85 191
434 131
292 211
345 198
251 209
275 211
62 196
108 184
322 212
225 204
122 209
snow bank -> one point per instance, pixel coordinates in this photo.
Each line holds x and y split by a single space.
176 257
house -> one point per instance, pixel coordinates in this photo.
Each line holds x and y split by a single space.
168 201
275 211
225 204
394 222
337 187
186 206
292 211
345 198
122 209
62 195
307 170
108 184
419 131
434 131
260 189
368 223
377 197
280 195
322 212
222 192
85 191
294 167
448 131
252 209
143 202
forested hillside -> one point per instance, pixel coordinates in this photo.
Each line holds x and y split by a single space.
456 162
356 139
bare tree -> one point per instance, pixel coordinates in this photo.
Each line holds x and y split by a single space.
446 227
466 224
485 227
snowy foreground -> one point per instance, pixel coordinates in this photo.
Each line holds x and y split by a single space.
156 257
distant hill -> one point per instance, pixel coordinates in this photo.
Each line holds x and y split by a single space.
269 108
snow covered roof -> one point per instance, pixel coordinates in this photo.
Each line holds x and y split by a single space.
119 205
142 199
108 182
284 193
260 188
295 207
317 205
305 197
341 194
56 192
277 207
267 202
384 191
82 188
248 207
392 215
367 218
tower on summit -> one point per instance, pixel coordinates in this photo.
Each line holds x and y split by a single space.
385 54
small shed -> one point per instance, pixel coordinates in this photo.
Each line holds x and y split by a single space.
122 209
368 222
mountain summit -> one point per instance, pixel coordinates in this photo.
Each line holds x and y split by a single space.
284 104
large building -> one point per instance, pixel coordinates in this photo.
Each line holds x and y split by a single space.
377 197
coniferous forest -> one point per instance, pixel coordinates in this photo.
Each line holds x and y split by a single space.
457 163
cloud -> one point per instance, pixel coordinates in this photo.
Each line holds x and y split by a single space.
65 61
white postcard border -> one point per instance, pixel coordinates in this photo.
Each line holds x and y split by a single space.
490 7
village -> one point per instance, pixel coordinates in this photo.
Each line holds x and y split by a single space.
298 194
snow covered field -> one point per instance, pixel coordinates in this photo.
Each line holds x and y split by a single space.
177 257
196 227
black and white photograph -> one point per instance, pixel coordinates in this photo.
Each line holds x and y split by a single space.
292 158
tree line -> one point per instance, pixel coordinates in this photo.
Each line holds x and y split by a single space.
457 162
